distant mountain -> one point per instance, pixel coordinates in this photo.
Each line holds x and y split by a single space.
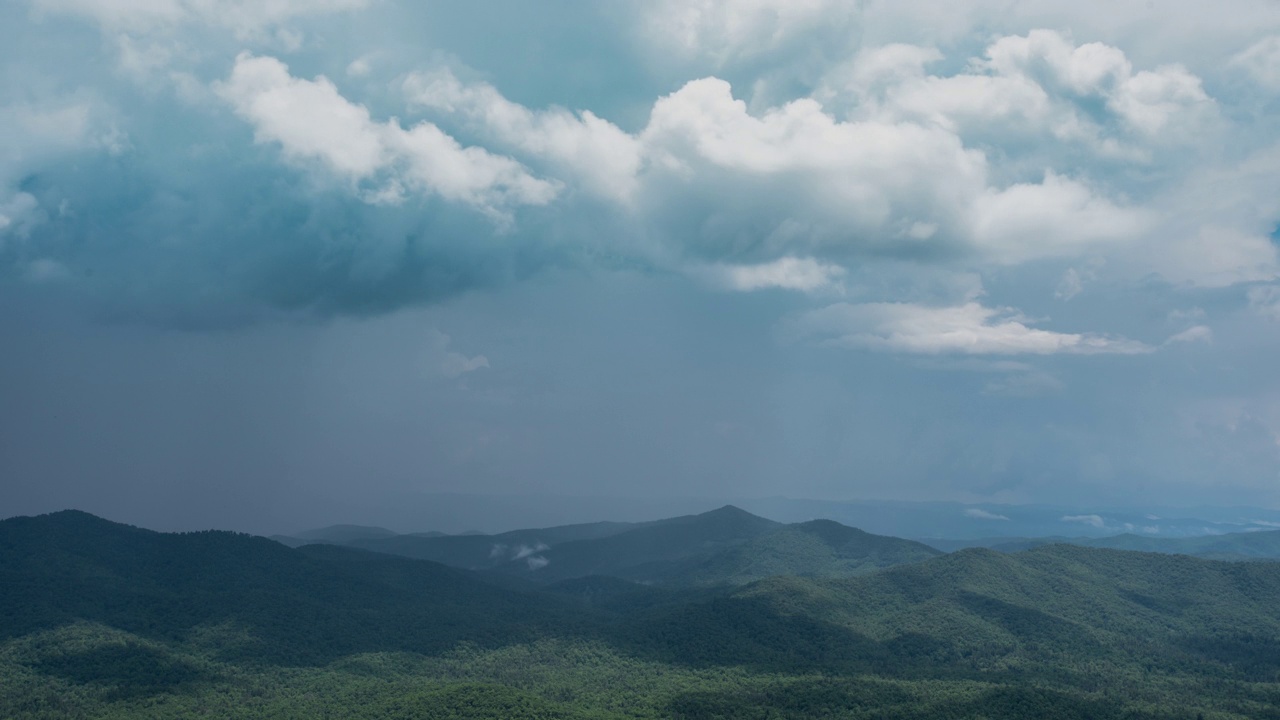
648 552
724 546
926 521
1259 545
476 551
70 566
338 534
1264 545
335 535
1001 544
655 552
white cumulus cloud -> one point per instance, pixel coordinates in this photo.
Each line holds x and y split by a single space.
313 123
605 158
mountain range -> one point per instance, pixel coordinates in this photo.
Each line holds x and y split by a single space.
717 615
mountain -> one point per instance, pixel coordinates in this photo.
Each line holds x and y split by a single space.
1001 544
71 566
724 546
99 619
1038 613
476 551
338 534
1253 545
926 521
335 535
1264 545
818 548
649 551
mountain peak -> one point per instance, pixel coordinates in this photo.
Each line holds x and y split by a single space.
66 519
729 510
734 515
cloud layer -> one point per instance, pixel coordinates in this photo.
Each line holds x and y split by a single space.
877 249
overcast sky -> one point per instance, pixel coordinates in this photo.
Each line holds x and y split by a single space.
261 261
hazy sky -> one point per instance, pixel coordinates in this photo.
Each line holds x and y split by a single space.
262 261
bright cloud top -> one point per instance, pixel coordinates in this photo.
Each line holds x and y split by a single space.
311 121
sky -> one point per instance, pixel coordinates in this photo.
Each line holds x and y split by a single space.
266 264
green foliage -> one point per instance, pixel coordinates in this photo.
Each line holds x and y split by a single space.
819 548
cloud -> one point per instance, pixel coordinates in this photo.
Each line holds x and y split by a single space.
1194 334
897 178
1262 61
444 362
313 123
980 514
247 18
1090 520
1216 255
605 159
727 30
35 133
1070 285
964 329
1038 87
1149 102
45 270
523 551
788 273
1148 529
703 120
1020 147
16 214
1056 217
359 67
1265 301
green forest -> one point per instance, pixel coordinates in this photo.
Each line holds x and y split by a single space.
751 619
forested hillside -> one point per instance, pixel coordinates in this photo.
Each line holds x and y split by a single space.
104 620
